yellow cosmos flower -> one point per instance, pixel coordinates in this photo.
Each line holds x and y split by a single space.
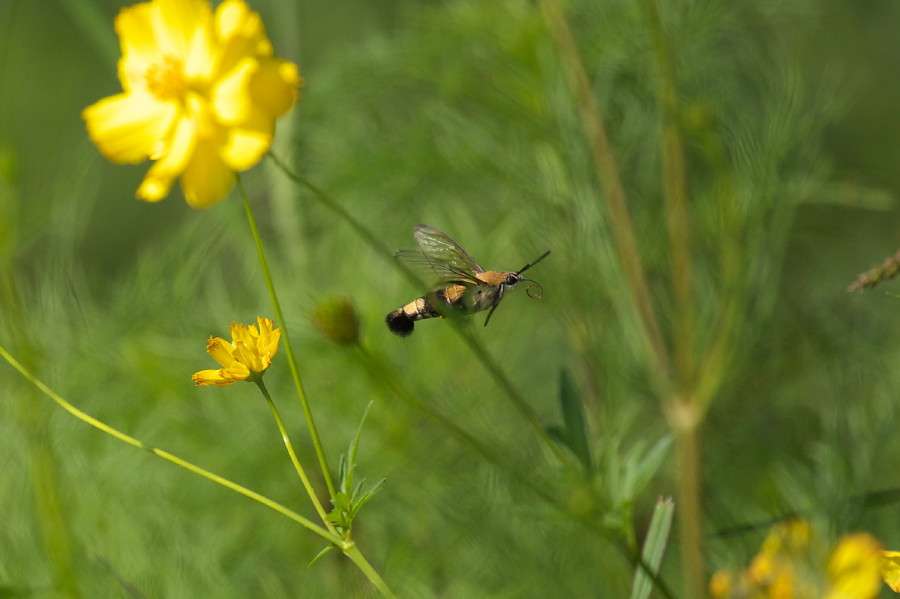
245 358
201 92
788 566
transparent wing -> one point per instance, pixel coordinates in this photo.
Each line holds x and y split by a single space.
443 255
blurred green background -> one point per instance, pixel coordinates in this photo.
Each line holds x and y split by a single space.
454 113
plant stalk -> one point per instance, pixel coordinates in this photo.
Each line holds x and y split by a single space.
293 455
288 348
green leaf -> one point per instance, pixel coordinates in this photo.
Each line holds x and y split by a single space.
365 496
347 478
654 547
319 556
350 498
641 465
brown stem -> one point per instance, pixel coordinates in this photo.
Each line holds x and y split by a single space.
685 419
675 187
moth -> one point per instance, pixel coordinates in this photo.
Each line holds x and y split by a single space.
464 287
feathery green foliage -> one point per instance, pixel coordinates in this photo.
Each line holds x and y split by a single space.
459 114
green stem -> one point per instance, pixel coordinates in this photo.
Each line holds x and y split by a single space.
690 518
330 203
289 350
290 449
352 551
325 534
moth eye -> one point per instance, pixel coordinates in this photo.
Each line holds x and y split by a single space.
511 279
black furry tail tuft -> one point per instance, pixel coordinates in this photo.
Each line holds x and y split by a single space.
400 323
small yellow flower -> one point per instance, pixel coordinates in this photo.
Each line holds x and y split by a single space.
788 566
245 358
201 92
721 585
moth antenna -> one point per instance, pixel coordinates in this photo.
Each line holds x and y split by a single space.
527 266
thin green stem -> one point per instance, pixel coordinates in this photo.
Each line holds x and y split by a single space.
102 426
296 462
330 203
474 344
288 348
352 551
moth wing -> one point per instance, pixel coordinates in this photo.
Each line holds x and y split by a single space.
444 256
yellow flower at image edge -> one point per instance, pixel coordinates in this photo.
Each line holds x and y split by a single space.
245 358
890 569
201 92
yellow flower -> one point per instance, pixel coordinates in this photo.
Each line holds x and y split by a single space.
721 585
201 92
854 567
786 567
245 358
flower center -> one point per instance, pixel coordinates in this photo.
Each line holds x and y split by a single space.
166 79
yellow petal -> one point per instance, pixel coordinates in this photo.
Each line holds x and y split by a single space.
267 345
241 34
237 371
207 178
246 355
265 326
127 128
274 85
238 332
175 157
890 569
184 30
247 144
854 567
231 99
137 38
220 350
219 378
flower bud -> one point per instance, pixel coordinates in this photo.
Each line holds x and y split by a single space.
337 320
